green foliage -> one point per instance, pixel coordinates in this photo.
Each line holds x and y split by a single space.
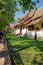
7 10
9 7
31 53
27 4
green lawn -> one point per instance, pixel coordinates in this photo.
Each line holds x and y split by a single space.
26 51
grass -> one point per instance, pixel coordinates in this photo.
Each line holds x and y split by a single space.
26 50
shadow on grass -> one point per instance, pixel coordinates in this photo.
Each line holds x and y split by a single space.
22 46
38 59
39 44
16 56
27 44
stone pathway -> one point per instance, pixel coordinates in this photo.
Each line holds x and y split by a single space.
5 58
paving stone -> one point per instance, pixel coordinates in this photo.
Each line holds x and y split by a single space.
2 61
5 58
1 47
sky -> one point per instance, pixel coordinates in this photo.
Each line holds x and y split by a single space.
20 14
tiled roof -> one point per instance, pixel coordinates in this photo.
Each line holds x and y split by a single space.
26 19
30 16
35 21
38 13
25 15
32 13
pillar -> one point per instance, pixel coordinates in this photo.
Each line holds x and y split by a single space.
20 30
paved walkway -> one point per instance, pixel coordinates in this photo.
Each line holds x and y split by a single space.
4 53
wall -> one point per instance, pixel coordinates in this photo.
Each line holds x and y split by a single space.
23 31
16 31
31 34
39 32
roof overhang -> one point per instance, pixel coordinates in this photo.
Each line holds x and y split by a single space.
35 21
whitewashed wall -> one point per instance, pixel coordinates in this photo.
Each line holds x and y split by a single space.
23 31
16 31
31 34
40 33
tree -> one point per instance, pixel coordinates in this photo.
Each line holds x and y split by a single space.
7 10
9 7
27 4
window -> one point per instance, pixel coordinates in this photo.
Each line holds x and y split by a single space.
31 27
37 28
42 25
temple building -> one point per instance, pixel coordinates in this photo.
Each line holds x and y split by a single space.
30 22
36 24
